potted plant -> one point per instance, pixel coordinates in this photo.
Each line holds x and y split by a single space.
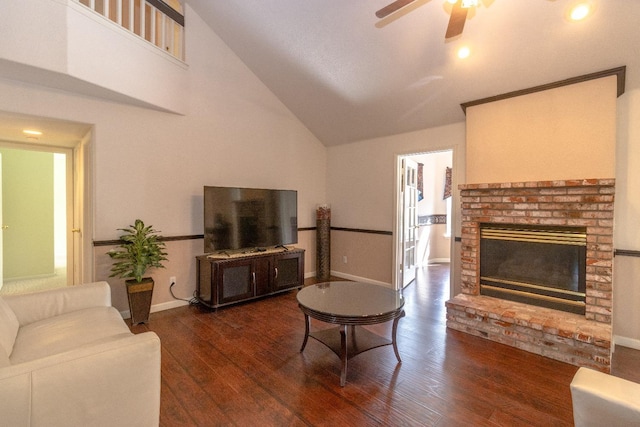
140 250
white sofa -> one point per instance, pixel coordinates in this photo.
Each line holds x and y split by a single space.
67 358
600 399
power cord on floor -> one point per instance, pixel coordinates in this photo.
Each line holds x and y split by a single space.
191 301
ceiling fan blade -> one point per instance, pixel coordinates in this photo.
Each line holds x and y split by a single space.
457 20
390 8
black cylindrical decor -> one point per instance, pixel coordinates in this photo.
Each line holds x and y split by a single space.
323 242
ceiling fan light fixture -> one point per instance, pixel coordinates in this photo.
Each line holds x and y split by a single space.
580 11
464 52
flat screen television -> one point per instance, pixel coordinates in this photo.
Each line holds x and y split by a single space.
249 218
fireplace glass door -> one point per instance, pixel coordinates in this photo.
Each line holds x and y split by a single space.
542 266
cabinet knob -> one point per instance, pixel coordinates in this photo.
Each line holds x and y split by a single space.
276 269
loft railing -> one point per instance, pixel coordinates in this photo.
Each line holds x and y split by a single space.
153 20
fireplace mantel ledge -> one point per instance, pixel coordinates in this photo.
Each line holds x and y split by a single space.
601 182
548 321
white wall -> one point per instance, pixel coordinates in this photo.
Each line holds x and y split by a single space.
568 132
65 45
626 278
627 208
433 182
152 165
361 189
434 244
361 182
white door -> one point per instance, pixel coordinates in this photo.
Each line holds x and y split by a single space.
409 220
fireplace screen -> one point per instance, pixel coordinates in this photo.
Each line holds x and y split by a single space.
543 266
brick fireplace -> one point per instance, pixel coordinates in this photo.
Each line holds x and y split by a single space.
579 339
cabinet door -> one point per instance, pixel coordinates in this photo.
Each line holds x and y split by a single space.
262 267
236 280
288 271
204 284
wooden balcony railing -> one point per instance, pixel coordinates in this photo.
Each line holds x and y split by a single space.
153 20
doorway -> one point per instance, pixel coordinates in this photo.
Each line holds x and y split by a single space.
46 203
422 233
35 188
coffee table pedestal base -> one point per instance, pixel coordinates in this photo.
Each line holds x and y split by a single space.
347 341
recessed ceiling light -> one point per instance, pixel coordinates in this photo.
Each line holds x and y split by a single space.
580 11
464 52
32 132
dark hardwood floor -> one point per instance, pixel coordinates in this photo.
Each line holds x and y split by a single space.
241 365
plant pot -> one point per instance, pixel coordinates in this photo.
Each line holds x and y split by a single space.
139 295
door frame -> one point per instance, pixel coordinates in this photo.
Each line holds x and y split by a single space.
81 211
77 202
396 277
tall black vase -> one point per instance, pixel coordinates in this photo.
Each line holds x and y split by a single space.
323 242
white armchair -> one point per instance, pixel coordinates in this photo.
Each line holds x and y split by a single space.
600 399
68 359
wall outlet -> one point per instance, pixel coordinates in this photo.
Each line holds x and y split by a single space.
344 259
172 280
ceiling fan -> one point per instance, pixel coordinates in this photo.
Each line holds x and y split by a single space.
456 21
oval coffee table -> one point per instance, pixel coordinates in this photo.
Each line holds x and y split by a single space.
350 305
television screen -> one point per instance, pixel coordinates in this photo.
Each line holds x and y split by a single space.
249 218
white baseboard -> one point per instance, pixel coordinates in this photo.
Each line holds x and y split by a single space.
359 279
158 307
350 277
626 342
438 261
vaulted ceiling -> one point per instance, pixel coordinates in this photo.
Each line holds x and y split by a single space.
350 76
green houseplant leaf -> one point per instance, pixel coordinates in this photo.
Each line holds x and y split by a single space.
141 249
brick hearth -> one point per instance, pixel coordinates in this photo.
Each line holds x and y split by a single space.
583 340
